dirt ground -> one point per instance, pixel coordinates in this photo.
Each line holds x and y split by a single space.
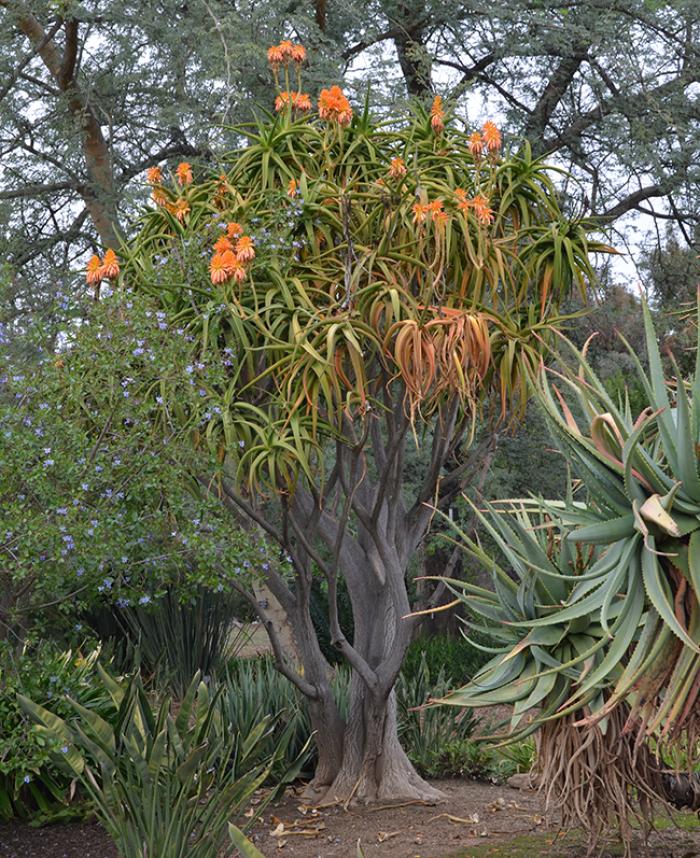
476 821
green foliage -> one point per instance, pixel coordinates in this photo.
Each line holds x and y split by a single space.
32 785
431 736
596 600
163 783
569 627
455 657
174 638
97 496
253 689
361 282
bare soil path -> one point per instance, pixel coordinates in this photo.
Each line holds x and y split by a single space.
476 821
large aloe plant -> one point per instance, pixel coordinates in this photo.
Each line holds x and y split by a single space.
595 607
164 784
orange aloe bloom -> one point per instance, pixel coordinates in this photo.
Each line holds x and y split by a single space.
482 210
292 188
110 265
440 219
159 197
492 136
244 249
184 173
302 101
419 213
462 201
233 229
218 271
476 144
397 168
435 207
222 244
298 53
437 115
334 106
238 273
93 272
275 56
298 100
283 99
287 49
180 209
154 175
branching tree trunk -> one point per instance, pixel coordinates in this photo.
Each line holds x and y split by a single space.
359 525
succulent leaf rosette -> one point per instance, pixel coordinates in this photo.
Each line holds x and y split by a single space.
594 610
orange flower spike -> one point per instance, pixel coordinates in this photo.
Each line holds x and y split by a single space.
397 168
441 219
334 106
217 269
419 213
437 115
159 197
492 136
233 229
476 144
222 244
154 175
239 273
230 261
435 207
462 201
292 188
244 249
184 173
93 272
286 48
302 101
275 56
482 209
298 54
180 209
282 100
110 265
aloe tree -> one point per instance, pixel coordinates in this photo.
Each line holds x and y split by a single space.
596 602
372 289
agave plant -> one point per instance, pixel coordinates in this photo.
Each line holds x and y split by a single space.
164 785
595 609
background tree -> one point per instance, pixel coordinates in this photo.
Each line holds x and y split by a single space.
93 92
95 503
367 289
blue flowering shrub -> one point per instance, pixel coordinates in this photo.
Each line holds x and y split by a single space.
108 489
31 783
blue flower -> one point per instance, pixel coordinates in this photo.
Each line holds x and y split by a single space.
64 749
144 600
27 779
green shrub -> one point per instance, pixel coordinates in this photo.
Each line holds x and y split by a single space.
255 688
31 784
456 657
174 637
164 785
427 733
516 758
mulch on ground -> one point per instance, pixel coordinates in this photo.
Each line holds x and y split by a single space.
476 820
